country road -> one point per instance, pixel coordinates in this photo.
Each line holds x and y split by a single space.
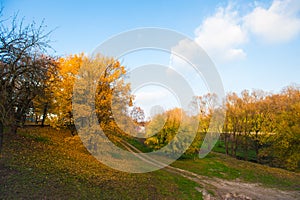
222 189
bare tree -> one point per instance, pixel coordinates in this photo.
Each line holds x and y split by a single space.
25 68
137 114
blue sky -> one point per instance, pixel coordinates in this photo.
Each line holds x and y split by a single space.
254 44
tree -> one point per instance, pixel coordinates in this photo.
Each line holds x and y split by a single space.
44 102
284 149
137 114
175 132
111 97
233 122
260 120
25 67
163 128
267 124
62 91
101 97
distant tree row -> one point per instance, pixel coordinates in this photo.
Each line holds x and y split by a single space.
259 126
266 124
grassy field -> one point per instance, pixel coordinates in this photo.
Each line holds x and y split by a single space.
48 164
43 163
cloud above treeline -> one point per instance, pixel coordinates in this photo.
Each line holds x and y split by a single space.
224 33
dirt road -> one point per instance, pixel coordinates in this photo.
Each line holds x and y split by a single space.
222 189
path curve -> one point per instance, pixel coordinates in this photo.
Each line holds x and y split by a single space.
223 189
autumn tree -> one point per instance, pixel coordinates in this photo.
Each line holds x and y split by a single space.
24 69
266 124
231 125
62 91
204 106
100 103
43 104
163 128
258 122
111 97
283 146
173 128
185 128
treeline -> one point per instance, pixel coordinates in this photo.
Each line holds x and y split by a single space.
259 126
267 124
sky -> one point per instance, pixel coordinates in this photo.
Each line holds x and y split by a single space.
253 44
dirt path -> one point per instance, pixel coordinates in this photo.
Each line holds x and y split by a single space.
222 189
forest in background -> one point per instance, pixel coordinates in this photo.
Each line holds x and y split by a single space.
259 126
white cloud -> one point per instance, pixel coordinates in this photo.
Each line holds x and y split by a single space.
221 35
279 23
224 33
182 54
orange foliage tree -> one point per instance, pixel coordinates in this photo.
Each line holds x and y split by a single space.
62 90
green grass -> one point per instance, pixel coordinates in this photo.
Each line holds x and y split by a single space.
186 187
225 167
209 166
220 148
43 163
138 144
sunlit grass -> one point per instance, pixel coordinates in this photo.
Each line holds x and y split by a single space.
42 163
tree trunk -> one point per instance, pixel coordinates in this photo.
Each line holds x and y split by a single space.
226 143
37 119
13 128
23 120
1 135
246 149
44 114
257 147
233 144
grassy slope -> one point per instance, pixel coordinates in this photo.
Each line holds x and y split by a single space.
43 163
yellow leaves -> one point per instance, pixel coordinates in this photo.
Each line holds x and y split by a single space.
98 73
63 88
151 142
71 64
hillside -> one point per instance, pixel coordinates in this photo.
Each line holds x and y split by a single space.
43 163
